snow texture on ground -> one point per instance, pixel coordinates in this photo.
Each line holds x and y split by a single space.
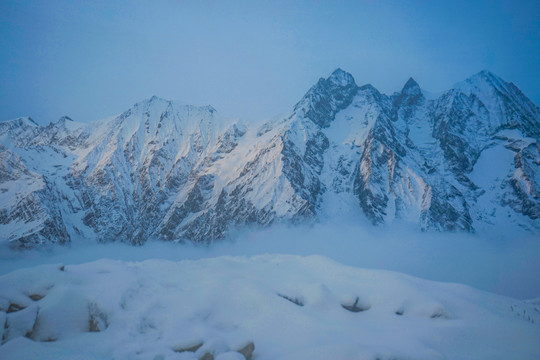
287 307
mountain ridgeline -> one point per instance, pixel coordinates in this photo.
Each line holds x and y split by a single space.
464 160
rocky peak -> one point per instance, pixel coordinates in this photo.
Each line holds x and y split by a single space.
484 83
411 87
341 78
19 122
61 122
19 128
411 94
486 75
155 113
158 105
326 98
66 118
152 103
506 105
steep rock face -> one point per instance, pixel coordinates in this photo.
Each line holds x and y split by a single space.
270 174
327 97
467 117
178 172
477 116
30 210
397 177
138 165
525 182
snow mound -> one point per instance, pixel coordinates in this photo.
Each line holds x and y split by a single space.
264 307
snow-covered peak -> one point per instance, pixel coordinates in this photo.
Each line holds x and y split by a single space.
22 121
327 97
338 81
506 105
158 103
484 83
20 127
153 103
486 75
156 98
149 127
369 92
156 112
67 123
341 78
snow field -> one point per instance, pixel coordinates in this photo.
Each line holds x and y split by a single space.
286 307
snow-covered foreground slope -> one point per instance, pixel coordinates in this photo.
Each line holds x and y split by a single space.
288 307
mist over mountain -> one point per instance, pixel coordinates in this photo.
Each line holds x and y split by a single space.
463 160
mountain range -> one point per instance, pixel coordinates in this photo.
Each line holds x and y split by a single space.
466 159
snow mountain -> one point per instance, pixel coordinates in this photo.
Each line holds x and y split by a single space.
465 160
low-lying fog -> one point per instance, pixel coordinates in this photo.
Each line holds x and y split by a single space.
503 264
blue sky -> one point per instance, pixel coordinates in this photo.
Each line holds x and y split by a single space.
249 59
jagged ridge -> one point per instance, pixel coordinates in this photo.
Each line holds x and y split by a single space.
179 172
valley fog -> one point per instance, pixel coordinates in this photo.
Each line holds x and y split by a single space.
505 264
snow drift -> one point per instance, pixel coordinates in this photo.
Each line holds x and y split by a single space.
265 307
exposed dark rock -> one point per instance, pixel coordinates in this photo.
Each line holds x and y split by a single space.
97 319
294 300
327 97
207 356
440 313
247 350
15 307
356 306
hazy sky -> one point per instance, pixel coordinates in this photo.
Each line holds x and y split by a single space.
250 59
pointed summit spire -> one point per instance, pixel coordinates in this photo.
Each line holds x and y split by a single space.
410 84
327 97
411 89
486 74
155 98
410 94
483 82
486 77
65 118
